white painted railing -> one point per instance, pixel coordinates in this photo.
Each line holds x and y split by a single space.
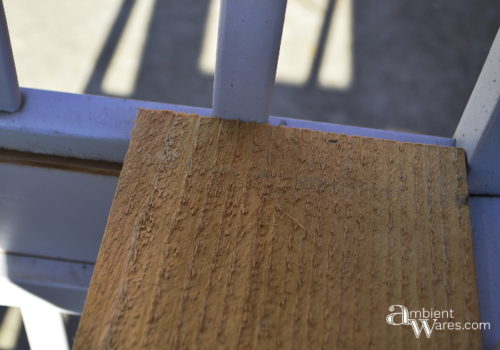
52 264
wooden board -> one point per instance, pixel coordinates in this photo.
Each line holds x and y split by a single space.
225 234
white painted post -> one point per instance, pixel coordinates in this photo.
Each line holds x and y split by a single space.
247 56
478 131
10 95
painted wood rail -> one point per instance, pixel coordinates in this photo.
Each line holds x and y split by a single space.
226 234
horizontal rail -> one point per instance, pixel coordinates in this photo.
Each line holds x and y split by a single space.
360 131
27 280
99 128
72 125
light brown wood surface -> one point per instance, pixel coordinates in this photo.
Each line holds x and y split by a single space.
231 235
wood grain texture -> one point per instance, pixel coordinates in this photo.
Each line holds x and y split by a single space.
232 235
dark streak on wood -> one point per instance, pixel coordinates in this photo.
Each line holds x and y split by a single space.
61 163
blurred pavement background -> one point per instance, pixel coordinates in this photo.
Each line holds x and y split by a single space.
392 64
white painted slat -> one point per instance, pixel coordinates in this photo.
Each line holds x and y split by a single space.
478 131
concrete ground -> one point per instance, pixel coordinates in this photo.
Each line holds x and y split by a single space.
391 64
